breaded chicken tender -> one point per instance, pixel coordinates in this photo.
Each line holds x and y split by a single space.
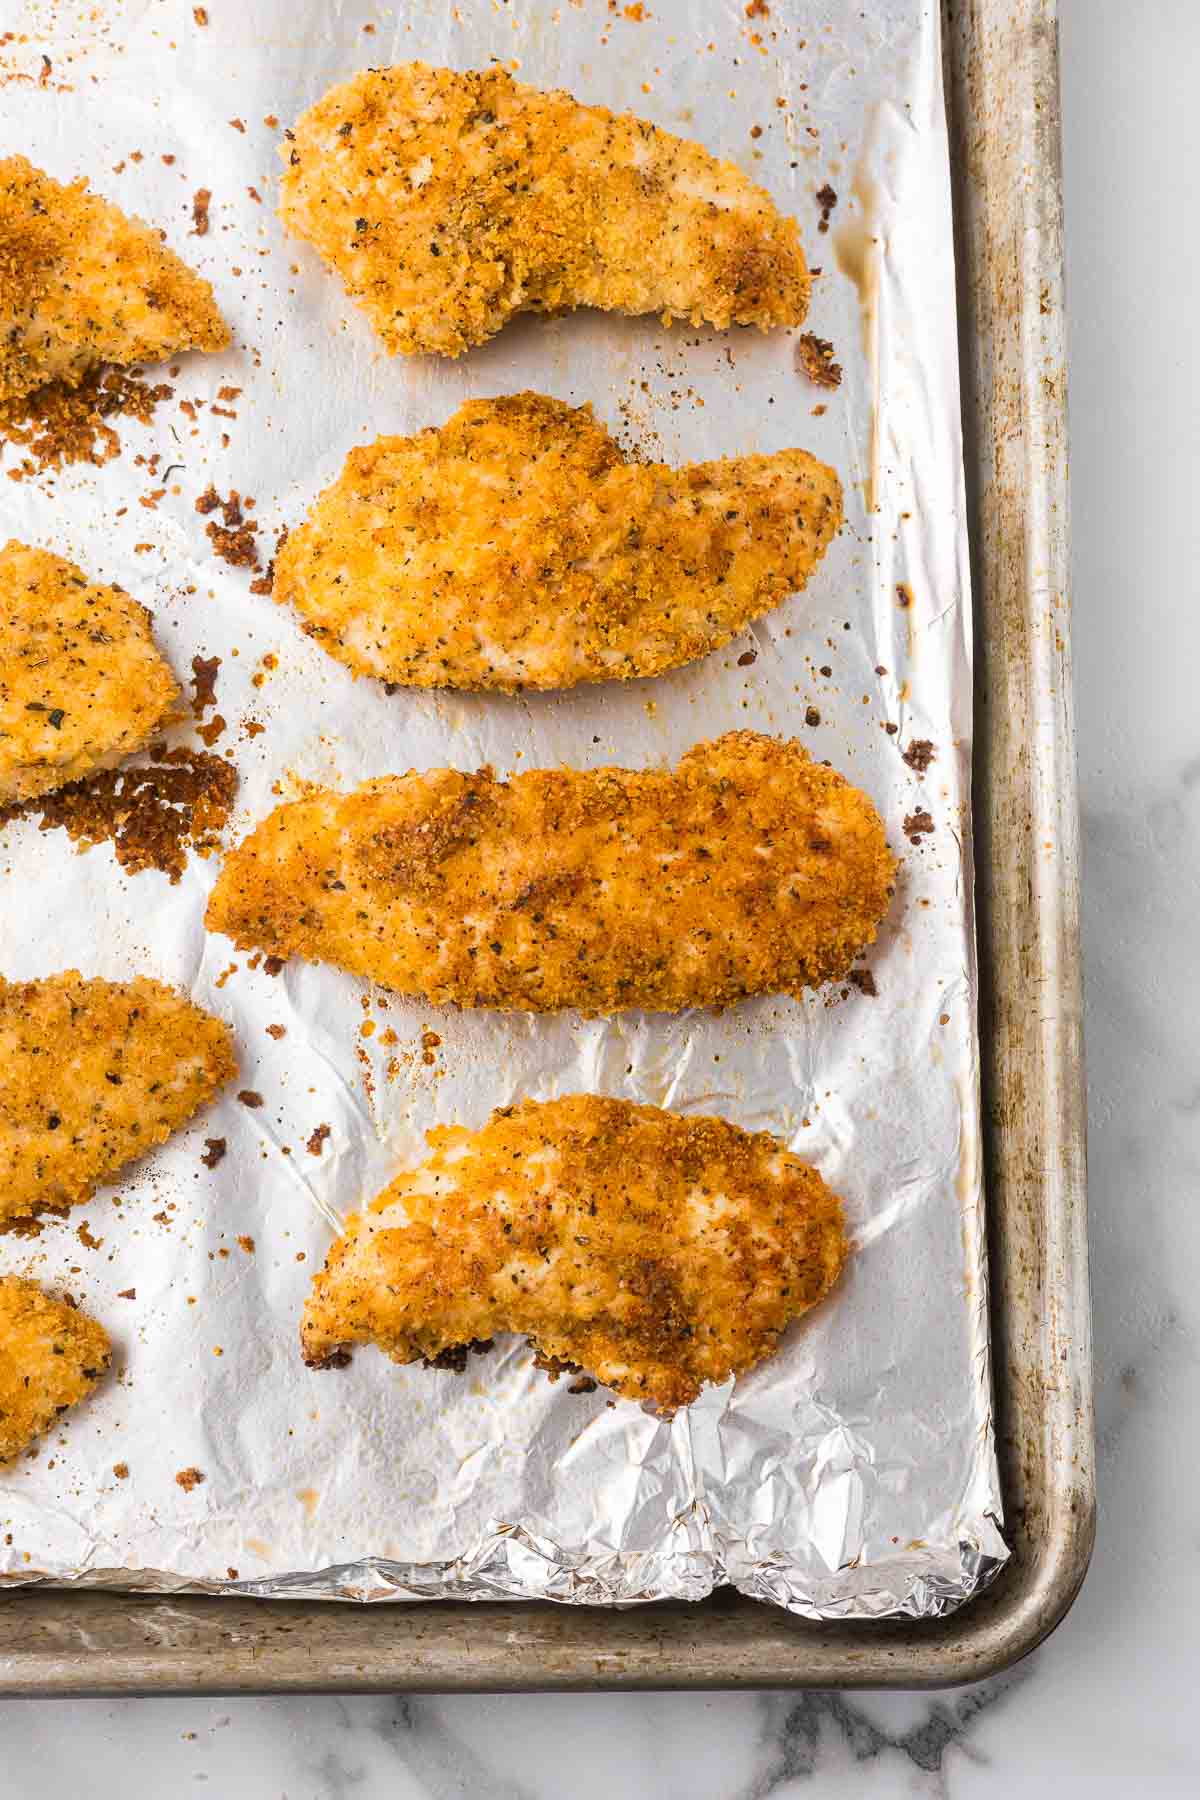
448 202
51 1356
81 283
749 870
516 547
653 1251
81 683
93 1074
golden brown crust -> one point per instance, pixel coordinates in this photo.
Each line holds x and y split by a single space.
448 202
93 1074
750 869
82 283
516 547
81 683
51 1356
654 1251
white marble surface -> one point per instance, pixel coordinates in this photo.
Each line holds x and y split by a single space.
1107 1707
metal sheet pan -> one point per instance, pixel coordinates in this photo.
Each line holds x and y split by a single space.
1003 95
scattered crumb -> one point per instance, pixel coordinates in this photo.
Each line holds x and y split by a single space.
201 201
152 815
59 425
811 716
214 1150
127 1294
250 1097
200 14
917 825
919 755
826 200
815 356
864 981
277 1031
234 539
316 1141
246 1244
188 1479
904 595
121 1471
204 680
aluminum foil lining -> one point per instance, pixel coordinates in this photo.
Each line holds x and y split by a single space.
852 1475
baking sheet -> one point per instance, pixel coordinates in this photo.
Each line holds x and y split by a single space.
854 1475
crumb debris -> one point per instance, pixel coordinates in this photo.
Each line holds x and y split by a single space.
57 425
919 755
234 539
316 1140
826 200
152 814
918 825
201 201
121 1471
204 680
188 1479
214 1150
864 981
250 1097
814 355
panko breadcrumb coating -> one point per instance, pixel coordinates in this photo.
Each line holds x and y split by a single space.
516 547
82 283
51 1356
81 683
750 869
448 202
93 1074
653 1251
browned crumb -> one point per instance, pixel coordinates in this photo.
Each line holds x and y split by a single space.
247 1244
277 1031
152 815
121 1471
864 981
919 755
84 1234
188 1479
234 539
918 825
204 680
757 9
904 595
200 14
250 1097
826 200
812 716
201 201
58 425
429 1043
126 1293
316 1142
214 1150
815 356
